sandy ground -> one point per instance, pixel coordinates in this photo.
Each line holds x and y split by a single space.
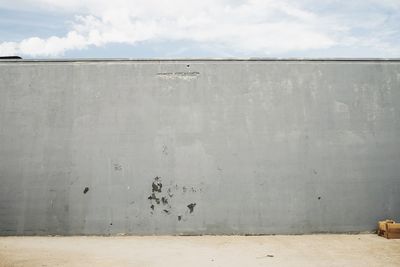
304 250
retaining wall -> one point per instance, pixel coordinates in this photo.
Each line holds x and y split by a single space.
198 146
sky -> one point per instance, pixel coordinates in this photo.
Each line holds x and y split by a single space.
199 29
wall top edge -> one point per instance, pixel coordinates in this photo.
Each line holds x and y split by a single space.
202 60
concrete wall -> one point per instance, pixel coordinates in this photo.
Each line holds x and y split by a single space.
195 147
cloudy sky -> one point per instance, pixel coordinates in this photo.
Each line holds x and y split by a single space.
201 28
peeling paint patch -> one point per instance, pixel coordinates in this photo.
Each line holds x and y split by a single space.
162 198
156 190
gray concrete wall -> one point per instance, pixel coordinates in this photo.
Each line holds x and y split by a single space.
198 147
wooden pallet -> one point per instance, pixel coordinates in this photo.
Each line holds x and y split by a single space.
389 229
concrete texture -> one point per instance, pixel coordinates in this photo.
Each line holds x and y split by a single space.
194 147
314 250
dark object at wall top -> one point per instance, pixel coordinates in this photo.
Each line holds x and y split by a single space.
251 59
10 57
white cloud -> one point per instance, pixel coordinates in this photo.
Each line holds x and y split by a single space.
261 27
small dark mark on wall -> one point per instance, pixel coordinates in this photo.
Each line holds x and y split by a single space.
179 217
110 223
153 197
86 190
184 189
117 167
266 256
156 185
152 207
315 172
319 197
164 200
191 207
166 211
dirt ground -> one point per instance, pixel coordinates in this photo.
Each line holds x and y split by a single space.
301 250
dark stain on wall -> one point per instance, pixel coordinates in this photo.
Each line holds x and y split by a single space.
191 207
154 197
164 200
86 190
160 201
156 185
156 190
117 167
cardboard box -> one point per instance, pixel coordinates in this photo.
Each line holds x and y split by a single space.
389 229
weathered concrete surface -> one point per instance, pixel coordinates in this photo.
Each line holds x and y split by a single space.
230 251
193 147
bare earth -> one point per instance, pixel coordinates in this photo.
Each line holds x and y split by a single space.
301 250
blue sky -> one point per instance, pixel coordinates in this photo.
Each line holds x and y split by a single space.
207 28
